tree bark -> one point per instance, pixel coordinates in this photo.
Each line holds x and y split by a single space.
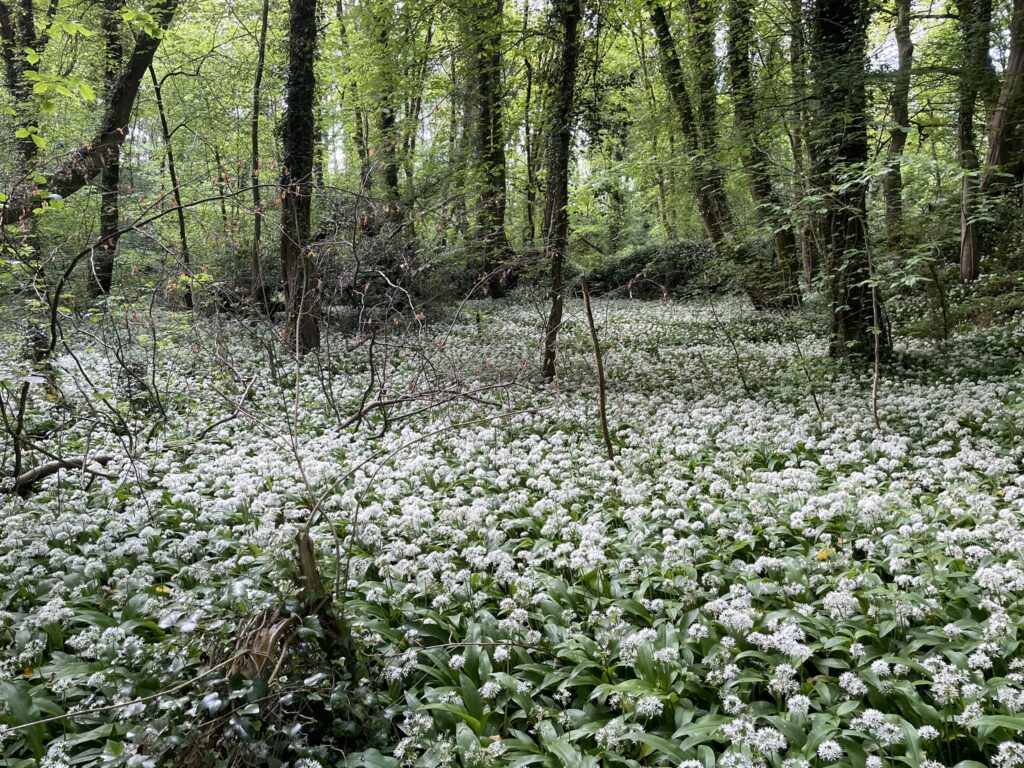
87 161
110 177
387 118
976 78
839 56
255 262
663 204
172 173
298 142
485 31
1003 160
567 16
755 160
705 179
899 106
530 227
798 142
18 35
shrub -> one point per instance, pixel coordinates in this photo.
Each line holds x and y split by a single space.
655 271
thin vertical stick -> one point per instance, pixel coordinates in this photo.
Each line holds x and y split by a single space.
602 399
876 316
735 351
878 356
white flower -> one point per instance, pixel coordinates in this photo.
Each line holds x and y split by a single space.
798 705
852 684
979 660
733 704
830 751
881 668
649 706
1009 755
490 690
841 605
768 741
666 655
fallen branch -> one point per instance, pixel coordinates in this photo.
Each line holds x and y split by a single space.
26 480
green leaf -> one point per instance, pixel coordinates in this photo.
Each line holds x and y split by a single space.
662 745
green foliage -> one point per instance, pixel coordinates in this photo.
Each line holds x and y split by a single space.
655 271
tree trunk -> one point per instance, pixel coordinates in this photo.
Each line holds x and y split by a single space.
298 141
17 36
798 142
359 128
530 229
89 159
387 120
110 177
255 262
567 15
976 77
839 56
660 178
1002 161
172 172
698 135
755 159
899 104
486 21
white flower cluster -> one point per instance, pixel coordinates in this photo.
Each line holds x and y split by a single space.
758 559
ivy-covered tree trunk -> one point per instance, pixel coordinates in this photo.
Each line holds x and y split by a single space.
840 137
899 105
799 145
485 33
976 78
566 17
18 35
298 136
529 144
255 164
698 136
1003 160
386 112
110 176
756 162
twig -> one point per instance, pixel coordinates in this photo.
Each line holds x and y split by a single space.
231 416
602 399
735 351
878 357
110 707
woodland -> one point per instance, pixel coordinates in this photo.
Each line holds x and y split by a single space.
508 383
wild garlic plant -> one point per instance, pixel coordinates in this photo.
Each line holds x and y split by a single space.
756 580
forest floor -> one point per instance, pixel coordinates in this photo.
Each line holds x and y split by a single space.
762 576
